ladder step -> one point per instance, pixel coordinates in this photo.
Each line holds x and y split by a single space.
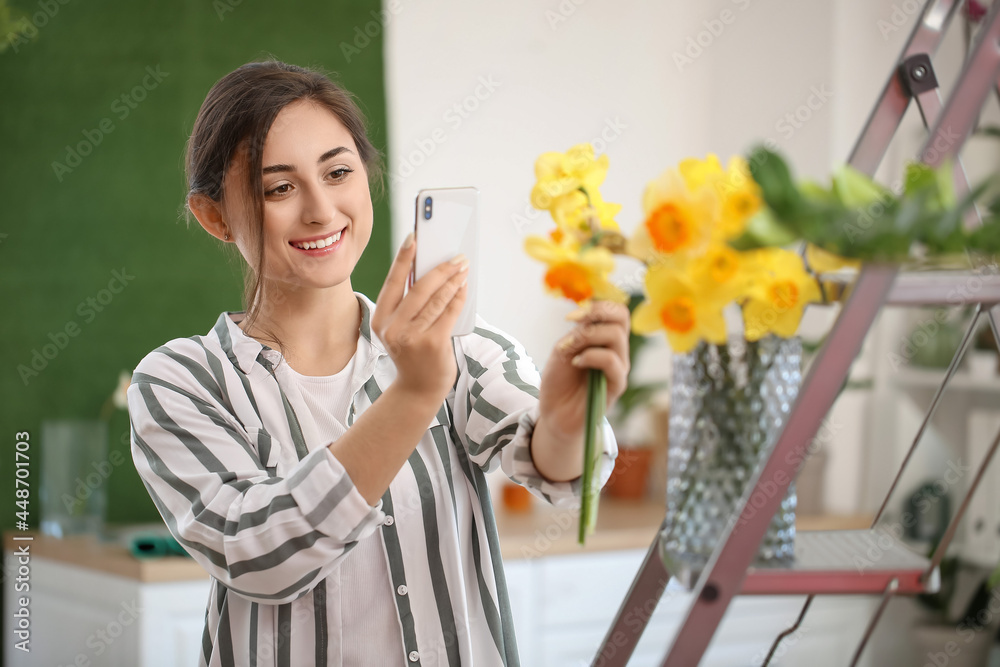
839 562
946 288
920 288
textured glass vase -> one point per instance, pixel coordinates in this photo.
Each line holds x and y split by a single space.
75 470
728 406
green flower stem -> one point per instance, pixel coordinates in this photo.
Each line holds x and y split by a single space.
597 392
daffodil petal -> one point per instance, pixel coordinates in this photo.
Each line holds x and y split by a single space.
646 319
542 249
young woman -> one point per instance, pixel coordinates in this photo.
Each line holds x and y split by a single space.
323 456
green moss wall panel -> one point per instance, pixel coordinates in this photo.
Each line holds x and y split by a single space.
66 230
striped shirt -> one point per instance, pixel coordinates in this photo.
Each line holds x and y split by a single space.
252 492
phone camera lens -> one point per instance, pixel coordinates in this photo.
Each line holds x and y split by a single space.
427 208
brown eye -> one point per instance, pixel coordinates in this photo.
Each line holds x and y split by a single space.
278 190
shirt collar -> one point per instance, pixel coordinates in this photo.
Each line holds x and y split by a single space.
243 350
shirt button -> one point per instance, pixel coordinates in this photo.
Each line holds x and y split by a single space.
388 520
401 589
414 656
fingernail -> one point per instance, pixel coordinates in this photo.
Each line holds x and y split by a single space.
580 312
408 241
460 257
566 343
577 360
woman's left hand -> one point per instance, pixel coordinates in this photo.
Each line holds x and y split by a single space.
599 340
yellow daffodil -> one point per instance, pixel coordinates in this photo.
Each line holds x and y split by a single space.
720 274
678 220
574 212
700 173
823 261
560 174
741 198
677 306
780 289
738 194
573 273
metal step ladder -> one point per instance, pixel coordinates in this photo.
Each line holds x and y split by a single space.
825 561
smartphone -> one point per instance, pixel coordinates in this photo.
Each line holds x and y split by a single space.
447 223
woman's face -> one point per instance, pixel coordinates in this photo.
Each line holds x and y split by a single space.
315 188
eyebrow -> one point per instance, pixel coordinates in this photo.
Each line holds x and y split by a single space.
333 152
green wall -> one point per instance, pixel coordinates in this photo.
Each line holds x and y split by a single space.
62 235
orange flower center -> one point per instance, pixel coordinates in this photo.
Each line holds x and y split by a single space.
668 228
742 204
784 293
678 314
722 266
556 235
571 279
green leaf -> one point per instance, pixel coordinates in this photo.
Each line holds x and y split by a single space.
856 189
764 230
775 180
815 191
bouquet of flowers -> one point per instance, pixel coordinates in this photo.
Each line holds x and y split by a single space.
741 237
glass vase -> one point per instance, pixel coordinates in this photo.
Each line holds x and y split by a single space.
728 405
75 469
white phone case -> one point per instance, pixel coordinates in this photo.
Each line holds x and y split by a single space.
447 222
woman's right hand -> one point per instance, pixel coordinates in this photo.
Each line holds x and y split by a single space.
416 329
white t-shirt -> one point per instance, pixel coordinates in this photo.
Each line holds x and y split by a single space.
364 573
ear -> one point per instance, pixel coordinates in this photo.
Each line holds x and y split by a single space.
209 215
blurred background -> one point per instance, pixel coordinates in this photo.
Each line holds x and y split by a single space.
98 265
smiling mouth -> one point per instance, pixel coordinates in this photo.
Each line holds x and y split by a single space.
319 243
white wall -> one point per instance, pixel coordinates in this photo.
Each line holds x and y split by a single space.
662 81
596 69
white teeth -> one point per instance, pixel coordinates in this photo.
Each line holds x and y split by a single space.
322 243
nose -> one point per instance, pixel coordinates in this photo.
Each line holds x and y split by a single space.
318 205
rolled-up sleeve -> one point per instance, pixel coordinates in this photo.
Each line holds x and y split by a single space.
496 409
268 538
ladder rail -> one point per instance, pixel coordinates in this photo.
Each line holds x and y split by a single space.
727 568
722 578
894 99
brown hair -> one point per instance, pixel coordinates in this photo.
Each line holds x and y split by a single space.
234 121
